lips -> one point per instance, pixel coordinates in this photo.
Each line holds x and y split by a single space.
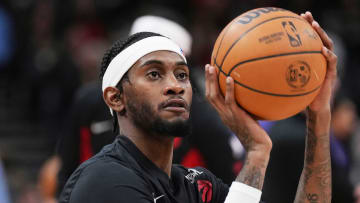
175 105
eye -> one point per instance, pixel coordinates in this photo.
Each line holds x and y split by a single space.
154 75
182 76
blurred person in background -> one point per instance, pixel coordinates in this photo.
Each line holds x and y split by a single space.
48 76
349 127
343 128
84 40
26 115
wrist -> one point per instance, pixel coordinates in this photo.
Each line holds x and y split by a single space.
258 157
260 149
319 114
319 121
253 172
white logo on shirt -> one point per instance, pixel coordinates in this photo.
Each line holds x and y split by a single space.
192 174
156 198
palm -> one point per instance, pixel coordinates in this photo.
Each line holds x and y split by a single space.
250 133
322 100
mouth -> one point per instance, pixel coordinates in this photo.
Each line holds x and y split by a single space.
175 105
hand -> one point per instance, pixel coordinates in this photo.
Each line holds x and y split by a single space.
252 136
323 99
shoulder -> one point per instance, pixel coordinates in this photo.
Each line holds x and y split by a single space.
106 169
102 177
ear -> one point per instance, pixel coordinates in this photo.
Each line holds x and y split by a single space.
114 99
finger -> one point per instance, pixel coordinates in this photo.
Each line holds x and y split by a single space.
332 62
323 35
230 95
207 90
214 94
306 18
230 99
309 16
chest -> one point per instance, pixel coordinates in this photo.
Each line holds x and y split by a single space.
182 189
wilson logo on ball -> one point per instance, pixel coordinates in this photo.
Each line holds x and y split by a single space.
298 74
256 13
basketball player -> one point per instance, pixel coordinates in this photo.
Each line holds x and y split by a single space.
145 83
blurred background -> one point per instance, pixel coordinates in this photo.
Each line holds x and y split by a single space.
50 53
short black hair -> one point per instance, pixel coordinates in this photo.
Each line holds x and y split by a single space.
114 50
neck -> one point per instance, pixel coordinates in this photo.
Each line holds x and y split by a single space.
157 148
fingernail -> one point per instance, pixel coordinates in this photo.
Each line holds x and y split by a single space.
325 49
228 80
316 24
211 70
308 12
207 67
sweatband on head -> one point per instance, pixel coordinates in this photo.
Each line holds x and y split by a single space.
240 192
122 62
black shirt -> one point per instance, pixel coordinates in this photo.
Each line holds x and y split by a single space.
122 173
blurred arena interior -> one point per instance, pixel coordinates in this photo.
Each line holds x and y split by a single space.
50 49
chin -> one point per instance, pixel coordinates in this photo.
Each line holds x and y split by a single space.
177 117
176 127
183 118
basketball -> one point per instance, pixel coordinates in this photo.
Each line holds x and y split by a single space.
275 59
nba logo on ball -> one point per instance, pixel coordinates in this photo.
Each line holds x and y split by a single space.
292 34
275 58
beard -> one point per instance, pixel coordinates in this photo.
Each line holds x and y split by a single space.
146 118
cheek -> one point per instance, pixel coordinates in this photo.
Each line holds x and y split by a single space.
188 93
150 92
147 94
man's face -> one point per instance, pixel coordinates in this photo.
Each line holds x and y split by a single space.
158 96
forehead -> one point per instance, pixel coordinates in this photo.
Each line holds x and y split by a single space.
162 56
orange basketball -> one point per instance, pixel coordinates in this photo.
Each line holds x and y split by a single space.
275 58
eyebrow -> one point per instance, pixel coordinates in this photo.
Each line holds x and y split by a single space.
179 63
152 62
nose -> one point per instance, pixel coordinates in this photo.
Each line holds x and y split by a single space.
173 87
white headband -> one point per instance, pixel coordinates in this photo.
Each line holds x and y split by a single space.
122 62
128 57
